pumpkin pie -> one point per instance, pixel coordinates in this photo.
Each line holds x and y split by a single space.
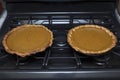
91 39
27 39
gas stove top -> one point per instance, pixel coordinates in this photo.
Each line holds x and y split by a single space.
61 55
60 61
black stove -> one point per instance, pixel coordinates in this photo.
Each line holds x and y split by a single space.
60 61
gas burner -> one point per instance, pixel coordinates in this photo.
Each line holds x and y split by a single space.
22 60
29 62
3 53
82 21
98 21
20 20
60 41
102 59
116 51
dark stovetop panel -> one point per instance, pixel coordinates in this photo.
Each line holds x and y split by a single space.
41 7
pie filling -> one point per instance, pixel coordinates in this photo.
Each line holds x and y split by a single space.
28 39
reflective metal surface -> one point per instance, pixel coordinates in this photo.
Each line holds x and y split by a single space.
3 14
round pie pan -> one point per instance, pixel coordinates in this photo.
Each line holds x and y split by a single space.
27 39
75 38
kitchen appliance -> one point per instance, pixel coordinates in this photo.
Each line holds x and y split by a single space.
60 62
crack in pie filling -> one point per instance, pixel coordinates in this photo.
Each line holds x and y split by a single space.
27 39
91 39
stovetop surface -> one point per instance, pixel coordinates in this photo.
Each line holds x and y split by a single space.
60 56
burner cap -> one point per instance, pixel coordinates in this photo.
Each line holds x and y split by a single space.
60 41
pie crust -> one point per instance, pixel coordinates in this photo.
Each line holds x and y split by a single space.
91 39
27 39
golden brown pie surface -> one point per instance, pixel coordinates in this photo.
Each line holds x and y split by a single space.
27 39
91 39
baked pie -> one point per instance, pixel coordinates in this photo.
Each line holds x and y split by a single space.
91 39
27 39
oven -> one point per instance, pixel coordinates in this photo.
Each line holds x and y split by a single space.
60 61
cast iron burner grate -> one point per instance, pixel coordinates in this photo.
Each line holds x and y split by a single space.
60 55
